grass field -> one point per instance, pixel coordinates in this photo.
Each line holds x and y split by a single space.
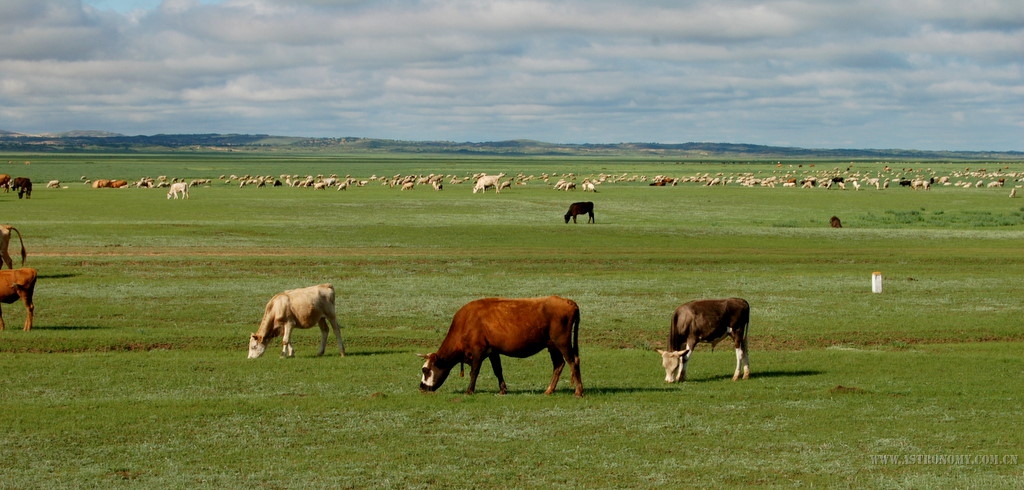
135 372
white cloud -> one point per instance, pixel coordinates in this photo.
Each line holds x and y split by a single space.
810 73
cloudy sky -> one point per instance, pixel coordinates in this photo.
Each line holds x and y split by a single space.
914 74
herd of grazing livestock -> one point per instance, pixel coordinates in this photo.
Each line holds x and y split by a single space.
796 176
486 328
489 328
808 176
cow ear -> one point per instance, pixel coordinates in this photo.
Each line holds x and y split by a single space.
425 356
662 352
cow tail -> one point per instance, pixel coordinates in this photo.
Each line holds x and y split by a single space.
746 328
22 245
576 334
672 334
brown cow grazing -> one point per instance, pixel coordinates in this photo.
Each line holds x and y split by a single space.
301 308
5 182
24 187
491 327
5 240
578 208
834 221
708 320
18 284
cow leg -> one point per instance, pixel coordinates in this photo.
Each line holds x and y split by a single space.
1 319
496 366
286 341
742 359
574 372
683 361
474 370
576 379
30 308
7 259
323 336
591 220
739 362
557 364
337 333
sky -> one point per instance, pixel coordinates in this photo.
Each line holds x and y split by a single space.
878 74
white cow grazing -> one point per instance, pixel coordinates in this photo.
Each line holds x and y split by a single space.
301 308
486 181
178 188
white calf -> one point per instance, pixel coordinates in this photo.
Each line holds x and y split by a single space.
297 308
486 181
178 188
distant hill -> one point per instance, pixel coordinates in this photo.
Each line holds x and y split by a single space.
102 141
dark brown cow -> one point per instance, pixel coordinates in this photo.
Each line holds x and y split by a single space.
707 320
491 327
834 221
5 240
578 208
24 187
5 182
18 284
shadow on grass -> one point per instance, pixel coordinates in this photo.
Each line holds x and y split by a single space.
761 374
67 327
334 354
612 390
56 276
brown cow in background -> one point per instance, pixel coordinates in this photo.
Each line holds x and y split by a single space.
24 187
5 239
834 222
5 182
578 208
18 284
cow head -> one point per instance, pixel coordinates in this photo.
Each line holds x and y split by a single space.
256 346
567 216
433 375
674 363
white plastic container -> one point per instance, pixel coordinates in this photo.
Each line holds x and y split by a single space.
876 282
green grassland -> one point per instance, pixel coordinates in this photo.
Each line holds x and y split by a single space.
135 373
